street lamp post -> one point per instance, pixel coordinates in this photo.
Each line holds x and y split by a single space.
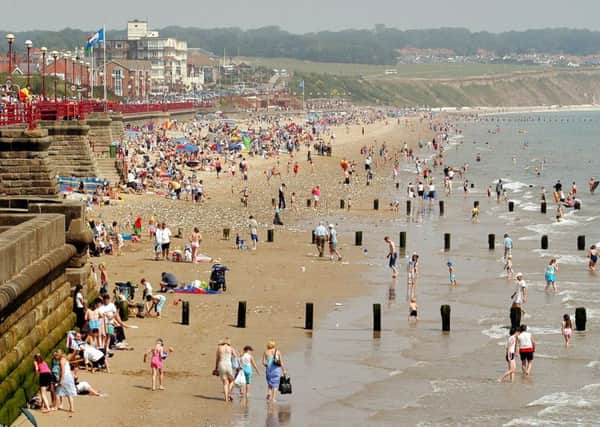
74 78
10 38
66 57
87 79
44 50
81 71
28 44
55 56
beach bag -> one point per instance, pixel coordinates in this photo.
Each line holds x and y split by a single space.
285 385
240 379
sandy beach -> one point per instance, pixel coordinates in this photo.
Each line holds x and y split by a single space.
276 281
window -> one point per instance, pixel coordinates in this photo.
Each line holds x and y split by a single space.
118 82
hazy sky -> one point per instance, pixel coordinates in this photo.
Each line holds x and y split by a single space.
302 15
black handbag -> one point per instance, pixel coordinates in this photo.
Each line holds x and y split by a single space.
285 385
276 359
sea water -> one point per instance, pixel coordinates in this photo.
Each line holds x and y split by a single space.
415 374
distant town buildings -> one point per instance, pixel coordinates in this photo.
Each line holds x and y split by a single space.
171 69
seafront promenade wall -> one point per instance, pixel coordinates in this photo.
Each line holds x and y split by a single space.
43 255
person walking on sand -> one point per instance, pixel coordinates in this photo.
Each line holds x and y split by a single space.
392 256
281 195
253 225
320 238
272 360
65 386
316 194
526 345
519 296
165 241
333 243
157 356
511 358
45 379
195 239
550 274
224 368
567 329
248 365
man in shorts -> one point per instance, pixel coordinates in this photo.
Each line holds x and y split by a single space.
253 225
392 256
526 345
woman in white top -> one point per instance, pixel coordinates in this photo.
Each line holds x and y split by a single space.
510 355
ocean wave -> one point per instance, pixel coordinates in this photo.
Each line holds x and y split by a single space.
515 186
496 332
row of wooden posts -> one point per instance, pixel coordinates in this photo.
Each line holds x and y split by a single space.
515 316
358 236
511 206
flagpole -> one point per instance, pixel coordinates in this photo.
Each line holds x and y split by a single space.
92 78
104 68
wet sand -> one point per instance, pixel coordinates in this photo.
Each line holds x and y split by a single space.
272 280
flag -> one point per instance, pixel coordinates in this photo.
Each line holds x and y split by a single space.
95 38
301 85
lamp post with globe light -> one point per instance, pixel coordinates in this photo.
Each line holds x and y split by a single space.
54 56
66 57
10 38
28 44
44 50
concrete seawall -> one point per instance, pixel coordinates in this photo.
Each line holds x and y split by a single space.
43 254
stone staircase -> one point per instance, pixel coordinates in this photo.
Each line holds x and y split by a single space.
106 169
70 151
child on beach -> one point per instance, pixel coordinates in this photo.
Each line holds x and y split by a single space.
475 215
410 279
157 355
508 267
248 364
451 273
550 275
413 314
567 329
510 357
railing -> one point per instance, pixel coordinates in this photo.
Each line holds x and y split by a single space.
19 113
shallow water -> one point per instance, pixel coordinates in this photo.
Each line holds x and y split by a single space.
416 375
